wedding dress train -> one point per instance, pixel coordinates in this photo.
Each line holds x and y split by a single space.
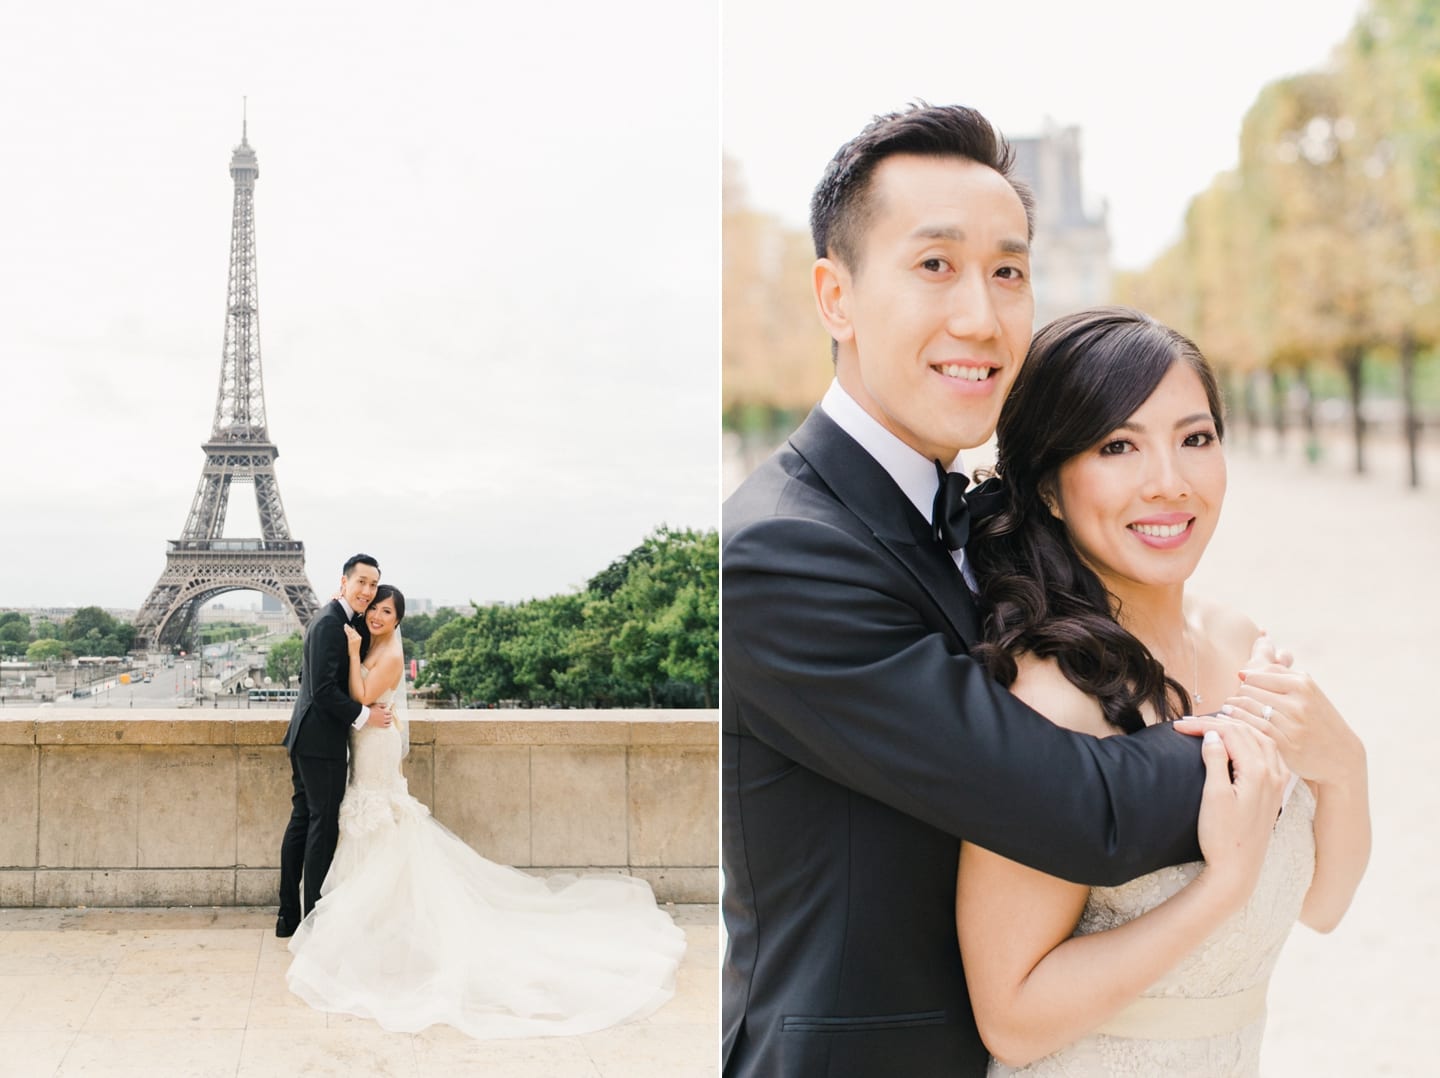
414 928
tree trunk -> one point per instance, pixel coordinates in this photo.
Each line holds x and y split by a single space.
1408 348
1307 414
1252 408
1354 363
1277 409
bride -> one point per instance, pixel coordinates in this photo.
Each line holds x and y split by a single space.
1109 455
414 928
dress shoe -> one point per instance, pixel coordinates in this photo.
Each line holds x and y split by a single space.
285 929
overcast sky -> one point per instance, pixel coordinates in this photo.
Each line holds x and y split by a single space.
488 282
1158 89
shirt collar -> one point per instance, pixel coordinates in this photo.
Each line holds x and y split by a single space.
350 614
914 474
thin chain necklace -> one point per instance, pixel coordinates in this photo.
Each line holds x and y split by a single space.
1195 660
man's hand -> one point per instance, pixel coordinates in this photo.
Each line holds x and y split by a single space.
379 715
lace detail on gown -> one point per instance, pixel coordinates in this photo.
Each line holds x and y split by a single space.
414 928
1205 1018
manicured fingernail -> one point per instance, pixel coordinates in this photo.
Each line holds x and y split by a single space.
1242 675
1211 737
1226 709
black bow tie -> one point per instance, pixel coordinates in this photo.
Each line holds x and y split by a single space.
951 513
955 510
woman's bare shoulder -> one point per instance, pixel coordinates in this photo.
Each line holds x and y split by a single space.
1230 631
1042 685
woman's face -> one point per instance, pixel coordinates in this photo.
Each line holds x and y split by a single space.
381 616
1142 505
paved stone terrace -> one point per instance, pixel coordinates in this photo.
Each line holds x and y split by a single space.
200 993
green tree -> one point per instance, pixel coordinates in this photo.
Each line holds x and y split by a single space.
91 631
284 659
466 658
14 633
419 628
46 651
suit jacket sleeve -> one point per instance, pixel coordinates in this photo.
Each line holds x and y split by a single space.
325 658
831 663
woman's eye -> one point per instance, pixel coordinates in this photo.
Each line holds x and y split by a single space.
1115 448
1200 439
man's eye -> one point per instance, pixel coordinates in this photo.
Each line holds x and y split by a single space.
1012 273
934 265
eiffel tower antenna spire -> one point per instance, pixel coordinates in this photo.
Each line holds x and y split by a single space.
245 121
202 563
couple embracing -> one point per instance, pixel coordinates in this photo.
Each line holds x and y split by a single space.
962 834
390 916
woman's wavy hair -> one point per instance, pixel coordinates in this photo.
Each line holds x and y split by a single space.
1086 373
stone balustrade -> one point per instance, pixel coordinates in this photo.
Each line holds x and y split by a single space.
176 807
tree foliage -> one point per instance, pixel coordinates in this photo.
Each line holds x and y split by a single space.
283 661
643 633
1316 262
45 651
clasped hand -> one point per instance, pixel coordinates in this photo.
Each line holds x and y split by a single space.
1286 706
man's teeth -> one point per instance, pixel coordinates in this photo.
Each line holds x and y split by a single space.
1161 531
970 374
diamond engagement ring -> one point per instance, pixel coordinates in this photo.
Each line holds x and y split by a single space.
1266 712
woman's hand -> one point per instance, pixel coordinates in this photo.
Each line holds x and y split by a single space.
1288 707
352 640
1237 814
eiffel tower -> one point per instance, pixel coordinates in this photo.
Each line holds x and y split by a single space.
201 564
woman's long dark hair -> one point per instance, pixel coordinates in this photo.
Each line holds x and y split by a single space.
1086 373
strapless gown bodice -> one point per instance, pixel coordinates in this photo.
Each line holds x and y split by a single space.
1206 1017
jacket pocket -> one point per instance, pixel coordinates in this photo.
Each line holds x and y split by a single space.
866 1023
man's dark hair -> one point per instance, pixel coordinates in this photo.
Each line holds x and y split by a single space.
841 208
360 559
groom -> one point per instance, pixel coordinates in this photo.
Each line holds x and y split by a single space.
860 740
318 740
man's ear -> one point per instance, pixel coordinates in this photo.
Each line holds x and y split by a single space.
831 283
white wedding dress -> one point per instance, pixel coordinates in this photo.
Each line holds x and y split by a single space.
1205 1018
414 928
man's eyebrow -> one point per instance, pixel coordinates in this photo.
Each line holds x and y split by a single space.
957 235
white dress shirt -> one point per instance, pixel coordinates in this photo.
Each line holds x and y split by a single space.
913 473
364 711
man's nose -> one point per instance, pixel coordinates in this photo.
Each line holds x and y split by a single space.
972 307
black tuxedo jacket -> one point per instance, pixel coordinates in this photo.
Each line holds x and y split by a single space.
324 711
859 744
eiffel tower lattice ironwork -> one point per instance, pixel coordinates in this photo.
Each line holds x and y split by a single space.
201 564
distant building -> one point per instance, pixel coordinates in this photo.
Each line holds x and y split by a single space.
1070 263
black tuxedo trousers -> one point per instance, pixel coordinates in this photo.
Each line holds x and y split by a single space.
318 739
860 744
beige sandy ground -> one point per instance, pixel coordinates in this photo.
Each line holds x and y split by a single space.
1346 573
201 994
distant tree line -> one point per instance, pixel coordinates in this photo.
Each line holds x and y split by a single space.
644 632
88 631
1312 269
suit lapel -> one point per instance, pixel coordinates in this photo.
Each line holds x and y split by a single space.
866 489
